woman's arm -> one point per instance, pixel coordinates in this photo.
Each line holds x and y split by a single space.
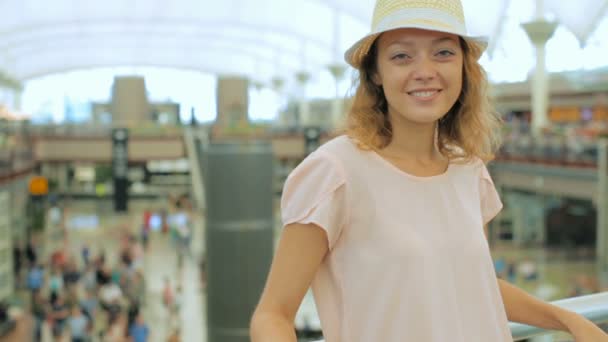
300 252
523 308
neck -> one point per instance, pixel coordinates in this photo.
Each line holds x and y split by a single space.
411 140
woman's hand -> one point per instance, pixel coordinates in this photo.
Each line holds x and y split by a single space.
584 330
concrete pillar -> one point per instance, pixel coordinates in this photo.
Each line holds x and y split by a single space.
528 217
6 245
120 168
517 217
232 101
239 237
539 31
59 173
17 96
284 119
304 118
536 219
129 104
602 212
541 223
337 71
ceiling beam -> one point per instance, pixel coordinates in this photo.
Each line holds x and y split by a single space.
500 24
145 36
594 22
89 56
195 24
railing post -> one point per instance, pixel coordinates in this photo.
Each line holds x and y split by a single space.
602 211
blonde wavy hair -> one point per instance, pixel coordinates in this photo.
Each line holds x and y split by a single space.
469 129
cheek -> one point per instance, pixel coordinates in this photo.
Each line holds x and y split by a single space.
392 83
456 79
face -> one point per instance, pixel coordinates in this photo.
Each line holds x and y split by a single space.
420 72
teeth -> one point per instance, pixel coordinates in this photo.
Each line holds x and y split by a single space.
423 93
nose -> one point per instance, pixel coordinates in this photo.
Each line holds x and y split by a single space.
425 70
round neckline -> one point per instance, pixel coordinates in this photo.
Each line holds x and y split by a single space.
409 175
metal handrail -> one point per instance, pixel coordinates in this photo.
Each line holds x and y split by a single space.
196 174
593 307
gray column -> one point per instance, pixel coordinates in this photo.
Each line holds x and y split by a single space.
6 245
60 173
239 243
285 118
337 71
232 101
528 217
129 104
602 211
539 32
304 118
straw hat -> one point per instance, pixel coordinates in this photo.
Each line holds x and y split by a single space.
435 15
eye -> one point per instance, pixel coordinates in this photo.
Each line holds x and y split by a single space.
400 56
445 53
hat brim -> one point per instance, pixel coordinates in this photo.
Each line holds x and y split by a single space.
356 53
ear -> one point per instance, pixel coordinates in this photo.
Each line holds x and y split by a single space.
376 79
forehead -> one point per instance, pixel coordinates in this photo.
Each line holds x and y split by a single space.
415 37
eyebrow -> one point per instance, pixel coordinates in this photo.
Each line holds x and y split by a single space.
434 42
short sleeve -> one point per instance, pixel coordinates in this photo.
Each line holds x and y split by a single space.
314 192
490 201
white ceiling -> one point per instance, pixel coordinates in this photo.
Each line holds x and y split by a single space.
259 38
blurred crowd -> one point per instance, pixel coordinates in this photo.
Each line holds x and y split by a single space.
85 293
573 144
86 296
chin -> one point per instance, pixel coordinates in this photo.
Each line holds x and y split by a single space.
420 116
423 120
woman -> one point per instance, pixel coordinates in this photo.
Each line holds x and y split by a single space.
387 221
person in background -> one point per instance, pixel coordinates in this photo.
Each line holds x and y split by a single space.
116 329
168 296
139 331
35 280
59 314
79 325
145 236
39 310
132 314
178 300
146 225
31 253
55 222
512 271
89 281
175 336
71 274
89 304
17 263
85 253
500 266
110 295
56 284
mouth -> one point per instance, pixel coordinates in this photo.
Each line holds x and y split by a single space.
424 95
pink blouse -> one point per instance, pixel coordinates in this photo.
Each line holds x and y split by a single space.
408 259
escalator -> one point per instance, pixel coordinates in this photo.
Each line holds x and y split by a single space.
195 140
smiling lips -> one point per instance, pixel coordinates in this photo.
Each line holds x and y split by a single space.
424 94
